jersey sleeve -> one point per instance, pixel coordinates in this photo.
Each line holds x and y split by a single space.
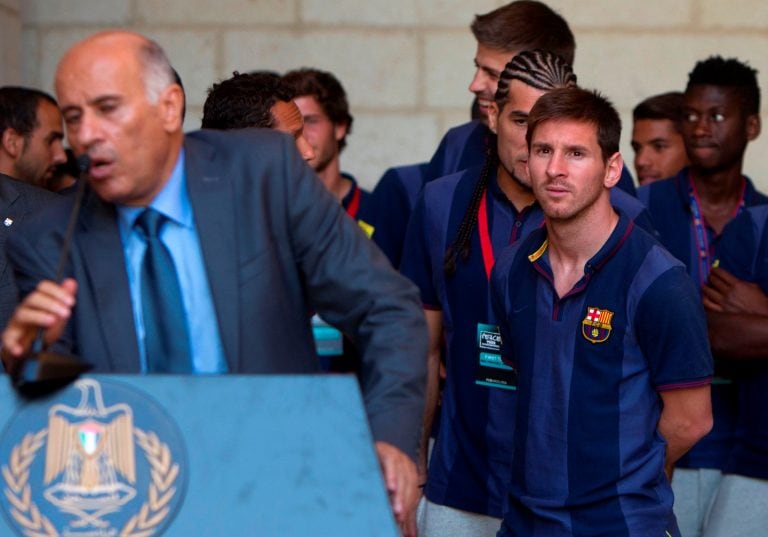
671 331
392 211
416 263
436 167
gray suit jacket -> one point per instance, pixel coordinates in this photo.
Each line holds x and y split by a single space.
18 201
276 246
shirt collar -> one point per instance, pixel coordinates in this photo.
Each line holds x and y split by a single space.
347 199
606 252
172 201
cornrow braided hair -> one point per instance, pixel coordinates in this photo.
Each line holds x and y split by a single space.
539 69
463 240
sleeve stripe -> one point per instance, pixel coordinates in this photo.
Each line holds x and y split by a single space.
680 385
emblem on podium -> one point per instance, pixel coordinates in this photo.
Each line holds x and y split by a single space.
98 460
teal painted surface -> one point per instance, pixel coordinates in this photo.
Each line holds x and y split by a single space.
265 455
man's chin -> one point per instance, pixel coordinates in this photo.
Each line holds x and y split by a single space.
522 178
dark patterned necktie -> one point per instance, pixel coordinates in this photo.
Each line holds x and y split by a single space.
166 336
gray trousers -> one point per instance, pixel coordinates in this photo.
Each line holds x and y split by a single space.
740 508
435 520
694 490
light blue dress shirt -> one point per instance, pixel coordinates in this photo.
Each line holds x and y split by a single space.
180 237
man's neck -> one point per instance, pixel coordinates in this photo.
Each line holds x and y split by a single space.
719 194
718 186
334 182
165 169
6 165
574 242
518 195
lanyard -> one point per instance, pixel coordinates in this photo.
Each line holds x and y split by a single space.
483 229
354 205
485 236
704 248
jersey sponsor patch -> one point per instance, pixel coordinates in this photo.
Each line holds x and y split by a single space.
596 326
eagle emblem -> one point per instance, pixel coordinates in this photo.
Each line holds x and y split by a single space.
90 464
77 467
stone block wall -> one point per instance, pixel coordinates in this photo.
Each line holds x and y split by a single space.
10 41
405 64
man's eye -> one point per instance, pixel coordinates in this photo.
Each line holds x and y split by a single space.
718 118
692 118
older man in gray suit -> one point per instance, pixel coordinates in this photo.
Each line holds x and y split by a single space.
232 231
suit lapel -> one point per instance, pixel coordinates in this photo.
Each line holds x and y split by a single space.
8 196
213 205
104 264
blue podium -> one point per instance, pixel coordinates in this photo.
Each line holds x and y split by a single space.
141 456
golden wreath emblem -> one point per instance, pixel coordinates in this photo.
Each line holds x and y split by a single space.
90 472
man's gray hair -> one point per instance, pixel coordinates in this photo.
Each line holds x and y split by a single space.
158 73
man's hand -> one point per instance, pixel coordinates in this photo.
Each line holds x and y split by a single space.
726 293
48 307
401 480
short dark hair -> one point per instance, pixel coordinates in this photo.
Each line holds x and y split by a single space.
244 100
663 106
328 92
539 69
581 105
728 73
18 109
525 25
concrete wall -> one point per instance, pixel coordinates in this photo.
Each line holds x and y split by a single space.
10 39
405 63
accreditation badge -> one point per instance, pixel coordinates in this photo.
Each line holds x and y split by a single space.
491 369
329 341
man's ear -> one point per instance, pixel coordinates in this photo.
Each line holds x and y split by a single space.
340 131
13 142
493 117
753 126
170 106
613 167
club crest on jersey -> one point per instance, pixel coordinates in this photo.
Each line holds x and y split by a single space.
596 326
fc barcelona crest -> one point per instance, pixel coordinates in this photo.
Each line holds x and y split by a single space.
100 459
596 326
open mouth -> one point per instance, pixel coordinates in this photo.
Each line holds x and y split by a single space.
100 168
483 104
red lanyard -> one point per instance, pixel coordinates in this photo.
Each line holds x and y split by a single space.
354 205
485 235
